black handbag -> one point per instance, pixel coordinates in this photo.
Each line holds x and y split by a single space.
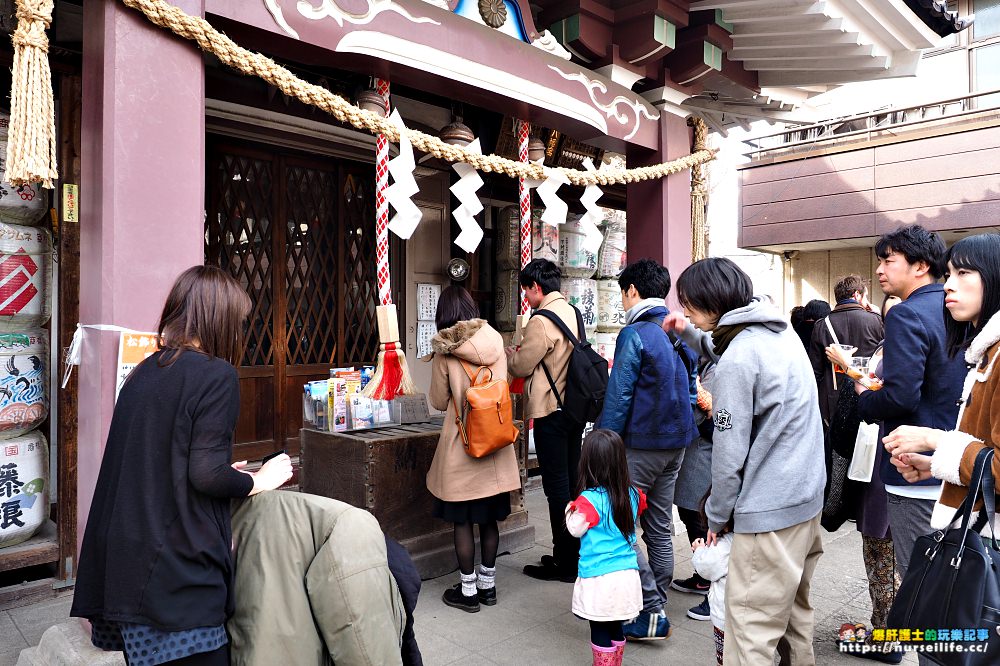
842 496
953 582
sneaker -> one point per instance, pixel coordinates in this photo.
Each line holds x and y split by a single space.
693 585
487 597
648 627
549 571
453 597
701 611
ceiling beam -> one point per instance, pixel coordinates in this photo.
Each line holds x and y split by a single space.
800 26
802 40
775 12
795 64
755 112
803 53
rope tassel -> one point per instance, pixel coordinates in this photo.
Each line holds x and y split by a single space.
31 143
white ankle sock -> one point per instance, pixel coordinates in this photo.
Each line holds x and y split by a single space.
468 584
487 577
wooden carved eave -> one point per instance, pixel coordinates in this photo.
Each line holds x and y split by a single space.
429 48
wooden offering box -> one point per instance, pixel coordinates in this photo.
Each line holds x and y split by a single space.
384 470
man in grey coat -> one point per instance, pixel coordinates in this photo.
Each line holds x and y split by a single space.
768 472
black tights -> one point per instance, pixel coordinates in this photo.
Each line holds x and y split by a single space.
465 545
602 633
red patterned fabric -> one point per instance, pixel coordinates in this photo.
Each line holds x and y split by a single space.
524 196
381 205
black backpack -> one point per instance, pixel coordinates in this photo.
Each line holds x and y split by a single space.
586 376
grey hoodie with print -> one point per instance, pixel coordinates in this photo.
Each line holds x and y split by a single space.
768 468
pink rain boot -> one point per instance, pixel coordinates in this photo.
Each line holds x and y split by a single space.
605 656
619 647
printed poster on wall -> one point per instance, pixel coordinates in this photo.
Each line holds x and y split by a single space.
132 350
427 300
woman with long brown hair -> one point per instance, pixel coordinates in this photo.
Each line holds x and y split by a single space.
468 491
156 564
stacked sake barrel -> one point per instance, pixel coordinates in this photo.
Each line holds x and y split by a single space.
25 307
578 267
611 260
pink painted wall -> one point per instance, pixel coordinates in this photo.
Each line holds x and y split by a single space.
142 196
659 211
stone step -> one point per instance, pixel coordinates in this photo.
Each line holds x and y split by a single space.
68 644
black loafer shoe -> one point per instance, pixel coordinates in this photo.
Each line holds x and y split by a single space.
453 597
487 597
542 572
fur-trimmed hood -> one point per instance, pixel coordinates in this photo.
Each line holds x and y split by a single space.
474 341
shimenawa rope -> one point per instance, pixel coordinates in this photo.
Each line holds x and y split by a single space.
32 89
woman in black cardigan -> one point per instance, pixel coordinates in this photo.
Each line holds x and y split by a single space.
156 563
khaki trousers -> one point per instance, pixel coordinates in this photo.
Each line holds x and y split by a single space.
767 596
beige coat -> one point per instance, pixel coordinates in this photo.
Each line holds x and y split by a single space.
544 341
455 476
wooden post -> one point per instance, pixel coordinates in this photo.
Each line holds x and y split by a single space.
70 88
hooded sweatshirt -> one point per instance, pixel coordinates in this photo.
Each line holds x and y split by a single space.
768 467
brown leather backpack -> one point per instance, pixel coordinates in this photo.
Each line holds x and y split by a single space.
489 417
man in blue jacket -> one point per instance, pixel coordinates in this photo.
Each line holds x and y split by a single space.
922 385
648 403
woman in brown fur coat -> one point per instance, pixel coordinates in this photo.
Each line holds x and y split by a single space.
972 297
468 490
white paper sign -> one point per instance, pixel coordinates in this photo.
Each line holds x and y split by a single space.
425 333
427 300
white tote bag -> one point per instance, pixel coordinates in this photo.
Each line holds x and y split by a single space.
863 460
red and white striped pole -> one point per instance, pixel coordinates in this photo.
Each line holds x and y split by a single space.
524 195
381 205
392 376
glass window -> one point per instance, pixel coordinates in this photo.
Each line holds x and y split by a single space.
987 22
986 63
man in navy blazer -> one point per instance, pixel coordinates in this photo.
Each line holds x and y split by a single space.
921 383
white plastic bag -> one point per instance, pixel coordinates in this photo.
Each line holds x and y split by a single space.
863 460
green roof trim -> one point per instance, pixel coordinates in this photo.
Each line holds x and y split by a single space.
664 32
721 22
712 56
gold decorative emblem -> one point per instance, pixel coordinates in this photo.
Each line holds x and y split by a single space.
494 12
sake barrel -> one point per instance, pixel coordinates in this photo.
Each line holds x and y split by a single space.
25 277
604 343
610 313
612 257
544 238
508 225
25 204
24 382
574 261
507 297
582 293
24 487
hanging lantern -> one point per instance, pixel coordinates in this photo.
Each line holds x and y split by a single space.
456 133
536 150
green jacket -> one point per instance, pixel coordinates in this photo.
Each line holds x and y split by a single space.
312 585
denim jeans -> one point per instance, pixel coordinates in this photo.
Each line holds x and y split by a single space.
557 445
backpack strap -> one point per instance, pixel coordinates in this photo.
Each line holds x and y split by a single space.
474 376
573 340
561 325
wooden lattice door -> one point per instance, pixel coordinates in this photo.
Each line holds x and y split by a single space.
298 233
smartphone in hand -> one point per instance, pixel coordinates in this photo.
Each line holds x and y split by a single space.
272 455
